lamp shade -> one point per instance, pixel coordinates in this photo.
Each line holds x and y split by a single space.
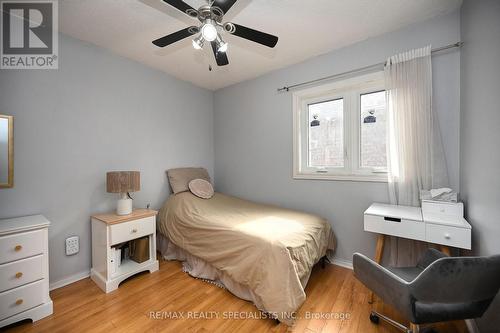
123 181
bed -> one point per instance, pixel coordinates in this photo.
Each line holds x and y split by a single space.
260 253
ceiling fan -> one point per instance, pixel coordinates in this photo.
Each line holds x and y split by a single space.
210 16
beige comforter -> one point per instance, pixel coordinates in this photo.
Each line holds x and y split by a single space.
268 249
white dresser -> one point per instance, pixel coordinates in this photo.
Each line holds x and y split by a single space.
24 269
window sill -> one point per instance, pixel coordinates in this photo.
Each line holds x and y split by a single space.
377 178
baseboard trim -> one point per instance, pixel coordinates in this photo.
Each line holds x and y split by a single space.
342 263
69 280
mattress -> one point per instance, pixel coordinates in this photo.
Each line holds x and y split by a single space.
266 250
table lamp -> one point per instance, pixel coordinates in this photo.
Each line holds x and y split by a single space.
123 182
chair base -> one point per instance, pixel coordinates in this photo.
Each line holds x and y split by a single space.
414 328
375 317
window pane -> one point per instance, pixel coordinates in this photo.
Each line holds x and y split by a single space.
373 130
326 134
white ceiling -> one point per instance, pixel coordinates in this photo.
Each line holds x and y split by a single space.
306 28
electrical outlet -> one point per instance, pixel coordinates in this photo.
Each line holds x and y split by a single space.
72 245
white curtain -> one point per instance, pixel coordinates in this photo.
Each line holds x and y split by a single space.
415 153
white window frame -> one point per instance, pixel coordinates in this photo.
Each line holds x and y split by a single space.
351 90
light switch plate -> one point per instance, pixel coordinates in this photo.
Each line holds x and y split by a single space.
72 245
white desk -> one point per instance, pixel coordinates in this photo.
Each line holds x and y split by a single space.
408 222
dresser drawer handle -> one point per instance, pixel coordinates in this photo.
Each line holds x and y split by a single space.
134 231
19 301
19 275
447 236
18 248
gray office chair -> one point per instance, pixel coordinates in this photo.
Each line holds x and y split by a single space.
439 288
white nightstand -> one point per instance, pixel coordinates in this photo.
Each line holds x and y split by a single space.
111 230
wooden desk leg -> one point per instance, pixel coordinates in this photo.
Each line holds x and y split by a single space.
446 250
379 251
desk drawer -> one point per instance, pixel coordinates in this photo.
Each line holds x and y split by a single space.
448 235
454 209
126 231
21 299
17 273
395 227
22 245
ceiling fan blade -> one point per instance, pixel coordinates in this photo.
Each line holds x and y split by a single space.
182 6
225 5
175 37
254 35
220 57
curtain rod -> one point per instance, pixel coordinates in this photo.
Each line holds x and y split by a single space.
362 69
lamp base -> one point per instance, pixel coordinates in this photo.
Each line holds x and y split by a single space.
124 205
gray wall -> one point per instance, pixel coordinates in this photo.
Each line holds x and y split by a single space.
98 112
480 132
253 132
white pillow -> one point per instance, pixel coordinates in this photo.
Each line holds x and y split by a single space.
201 188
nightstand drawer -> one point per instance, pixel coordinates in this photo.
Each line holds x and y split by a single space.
21 299
17 273
447 235
126 231
22 245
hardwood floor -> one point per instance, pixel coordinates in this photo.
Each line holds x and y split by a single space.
333 292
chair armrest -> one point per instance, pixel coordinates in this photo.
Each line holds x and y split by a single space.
389 287
429 257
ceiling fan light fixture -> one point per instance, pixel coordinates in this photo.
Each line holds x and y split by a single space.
221 44
198 42
223 47
208 31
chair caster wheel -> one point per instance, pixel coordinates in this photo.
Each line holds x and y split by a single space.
374 318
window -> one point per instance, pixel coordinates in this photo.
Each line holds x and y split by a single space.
340 130
373 131
326 136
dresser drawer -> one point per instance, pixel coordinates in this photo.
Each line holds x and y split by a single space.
21 299
448 235
395 226
17 273
22 245
126 231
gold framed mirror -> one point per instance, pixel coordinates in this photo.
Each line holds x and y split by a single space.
6 151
